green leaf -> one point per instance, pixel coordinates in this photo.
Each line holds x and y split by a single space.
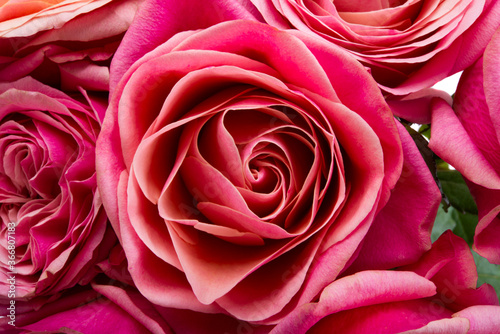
444 221
465 225
425 130
487 272
456 190
462 224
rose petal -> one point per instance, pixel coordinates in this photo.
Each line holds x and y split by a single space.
451 142
407 242
362 289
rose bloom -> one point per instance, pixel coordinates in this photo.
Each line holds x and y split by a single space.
407 44
244 169
467 137
437 294
53 225
45 40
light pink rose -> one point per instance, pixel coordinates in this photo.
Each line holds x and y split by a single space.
435 295
242 167
467 137
51 45
53 225
408 45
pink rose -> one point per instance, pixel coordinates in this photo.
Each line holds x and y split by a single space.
50 44
437 294
408 45
467 137
242 167
53 225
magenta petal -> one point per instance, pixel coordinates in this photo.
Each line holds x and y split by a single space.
395 317
90 318
408 242
488 229
476 114
491 71
362 289
450 265
85 312
136 306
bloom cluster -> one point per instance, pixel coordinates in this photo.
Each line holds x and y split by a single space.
249 166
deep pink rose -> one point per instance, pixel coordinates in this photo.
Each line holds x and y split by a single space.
408 45
53 225
242 167
437 294
66 45
467 137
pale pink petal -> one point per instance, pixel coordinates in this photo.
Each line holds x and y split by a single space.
51 18
359 290
451 142
443 326
416 107
482 318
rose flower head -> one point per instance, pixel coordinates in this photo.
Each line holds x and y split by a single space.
408 45
242 166
53 225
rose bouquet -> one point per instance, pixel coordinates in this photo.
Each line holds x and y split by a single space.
249 166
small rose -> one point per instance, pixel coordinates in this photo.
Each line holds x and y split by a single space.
50 209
